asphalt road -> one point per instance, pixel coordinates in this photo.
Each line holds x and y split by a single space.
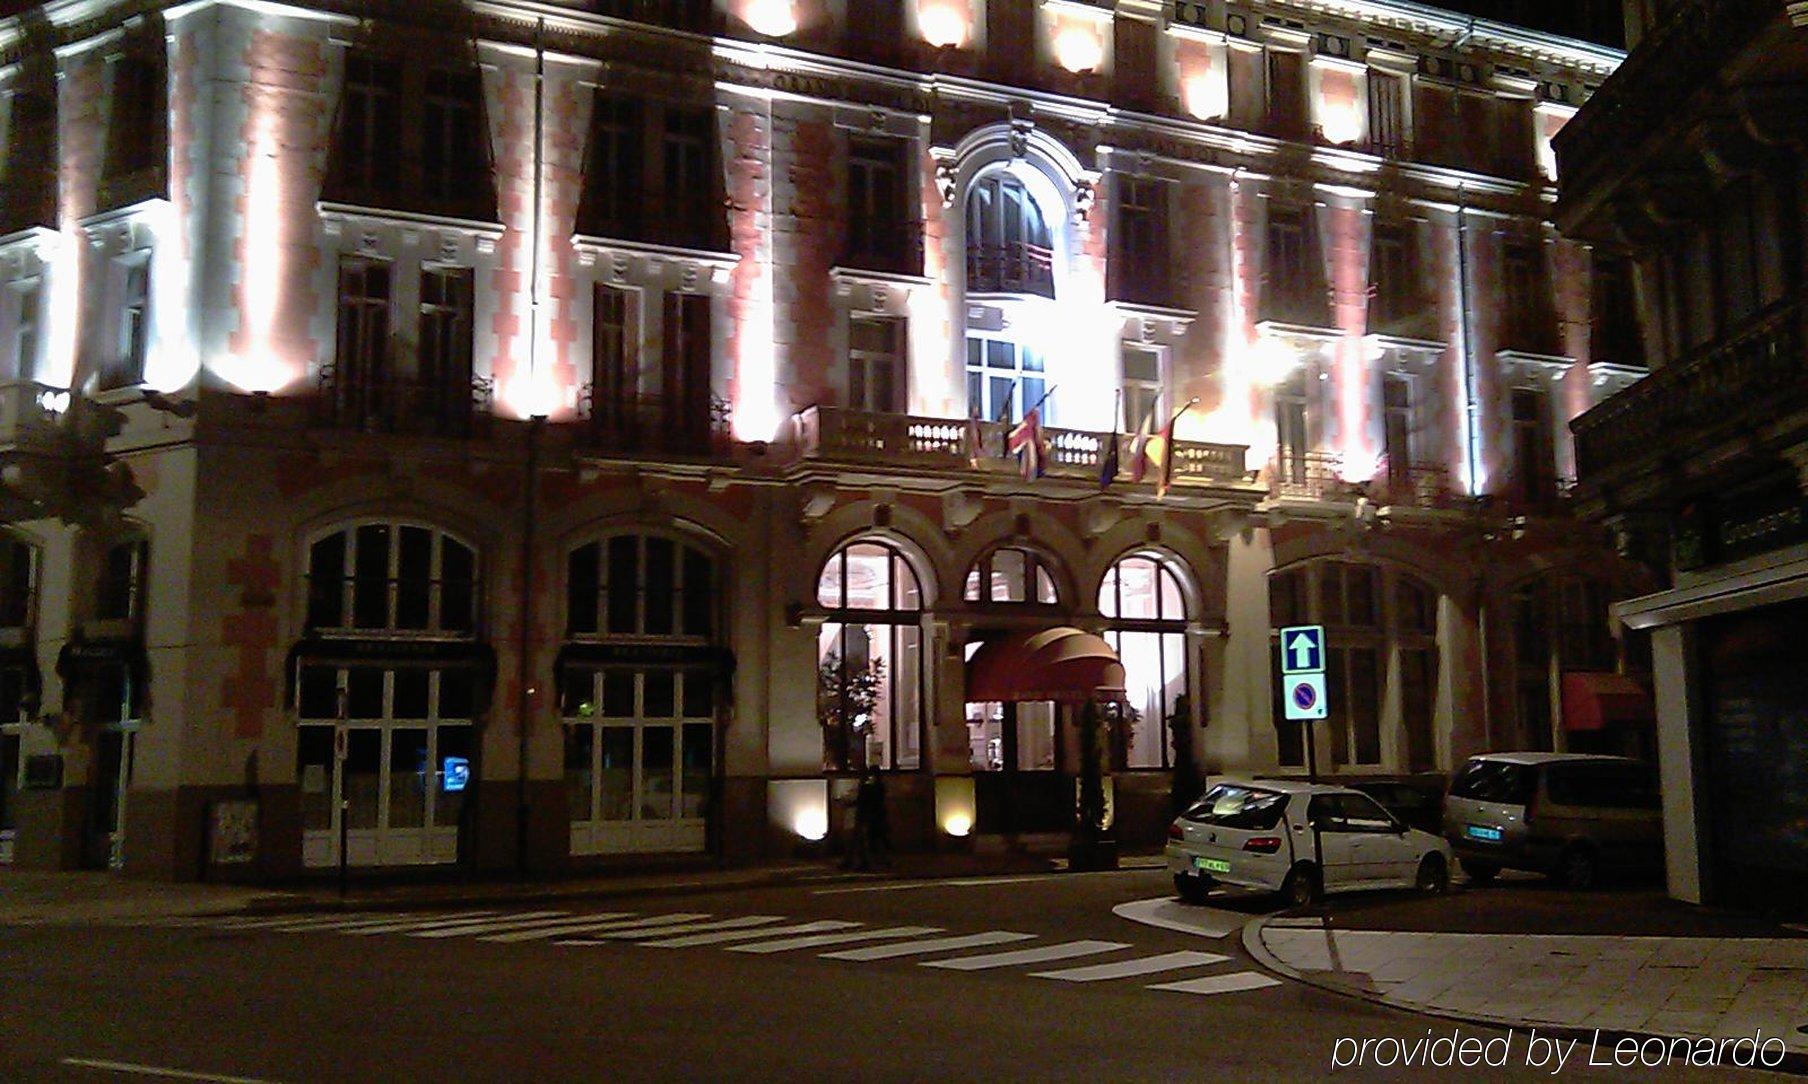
733 995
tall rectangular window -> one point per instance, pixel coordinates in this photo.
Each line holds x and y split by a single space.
445 335
1533 455
1287 116
1294 290
875 380
1139 262
1141 387
1528 314
616 169
1247 88
1291 440
138 110
132 322
878 212
1613 314
452 128
370 126
1396 426
119 594
1387 114
363 346
685 146
614 376
23 300
1005 379
686 365
1392 287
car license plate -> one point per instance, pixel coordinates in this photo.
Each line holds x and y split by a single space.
1211 865
1490 835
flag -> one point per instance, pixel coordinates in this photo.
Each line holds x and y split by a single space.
1108 458
1139 446
973 440
1164 455
1026 441
1004 421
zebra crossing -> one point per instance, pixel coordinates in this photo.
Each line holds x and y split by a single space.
1077 961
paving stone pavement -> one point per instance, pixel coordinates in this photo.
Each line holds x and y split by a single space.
1693 987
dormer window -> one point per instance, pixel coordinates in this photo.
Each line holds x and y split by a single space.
412 137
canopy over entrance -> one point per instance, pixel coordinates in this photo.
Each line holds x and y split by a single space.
1062 663
1591 700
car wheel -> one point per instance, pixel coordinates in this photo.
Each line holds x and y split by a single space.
1434 876
1578 868
1191 889
1479 873
1301 888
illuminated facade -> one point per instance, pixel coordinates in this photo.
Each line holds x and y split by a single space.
552 423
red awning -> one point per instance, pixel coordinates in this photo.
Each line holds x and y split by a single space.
1591 700
1053 664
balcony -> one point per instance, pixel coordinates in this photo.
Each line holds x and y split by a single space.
1312 476
1318 476
1015 268
1732 386
650 425
403 405
862 438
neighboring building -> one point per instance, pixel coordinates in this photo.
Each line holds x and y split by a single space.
1689 164
548 500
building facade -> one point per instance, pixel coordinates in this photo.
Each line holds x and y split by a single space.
530 437
1700 467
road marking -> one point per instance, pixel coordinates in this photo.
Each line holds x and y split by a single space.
940 944
747 935
816 940
1220 984
488 925
662 932
952 882
568 919
1170 914
593 927
152 1070
418 922
344 924
1067 950
1148 965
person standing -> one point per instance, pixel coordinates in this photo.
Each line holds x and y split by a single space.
872 829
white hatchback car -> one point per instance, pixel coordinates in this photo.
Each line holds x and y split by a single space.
1259 835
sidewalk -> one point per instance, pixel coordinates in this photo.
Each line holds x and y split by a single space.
84 898
1531 955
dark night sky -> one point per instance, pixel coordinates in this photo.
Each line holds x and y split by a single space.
1593 20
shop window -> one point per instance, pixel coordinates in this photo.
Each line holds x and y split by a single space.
392 577
1011 574
870 660
640 585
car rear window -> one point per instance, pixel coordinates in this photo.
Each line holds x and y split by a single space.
1494 781
1230 806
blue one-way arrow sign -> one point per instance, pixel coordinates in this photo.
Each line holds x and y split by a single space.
1303 649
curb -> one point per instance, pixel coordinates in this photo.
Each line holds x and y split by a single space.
1794 1062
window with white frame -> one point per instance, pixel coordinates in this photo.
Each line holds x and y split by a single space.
1005 379
870 660
1142 384
23 320
1011 574
875 377
131 322
1142 600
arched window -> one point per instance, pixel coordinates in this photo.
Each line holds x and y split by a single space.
1143 602
1011 574
1373 618
1009 249
640 717
640 585
392 577
869 659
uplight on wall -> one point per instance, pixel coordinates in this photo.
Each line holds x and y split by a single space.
954 804
772 18
944 23
1078 49
1205 97
1272 361
799 806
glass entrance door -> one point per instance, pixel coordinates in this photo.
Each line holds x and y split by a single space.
398 789
639 756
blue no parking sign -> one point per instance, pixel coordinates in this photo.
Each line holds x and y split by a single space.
1304 695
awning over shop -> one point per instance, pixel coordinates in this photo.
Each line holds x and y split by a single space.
1061 663
1593 699
85 659
396 654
